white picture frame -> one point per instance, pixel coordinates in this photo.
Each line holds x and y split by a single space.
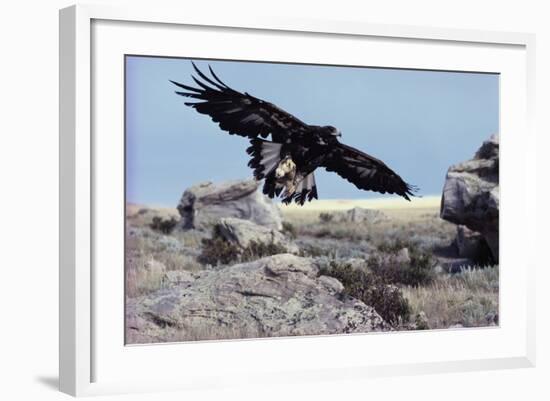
92 359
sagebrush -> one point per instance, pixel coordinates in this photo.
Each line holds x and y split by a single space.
372 289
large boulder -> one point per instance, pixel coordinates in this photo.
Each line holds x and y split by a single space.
280 295
361 215
471 193
204 204
243 232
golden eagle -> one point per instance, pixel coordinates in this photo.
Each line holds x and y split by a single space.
296 150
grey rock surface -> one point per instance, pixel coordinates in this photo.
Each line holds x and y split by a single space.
471 193
403 256
361 215
468 242
280 295
204 204
243 232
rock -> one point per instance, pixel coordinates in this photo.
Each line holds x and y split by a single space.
280 295
205 204
361 215
468 243
177 277
331 284
471 194
243 232
403 257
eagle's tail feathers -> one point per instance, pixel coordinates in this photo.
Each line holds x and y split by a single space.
266 156
306 189
312 186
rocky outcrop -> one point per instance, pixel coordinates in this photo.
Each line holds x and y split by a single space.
280 295
361 215
204 204
471 194
243 232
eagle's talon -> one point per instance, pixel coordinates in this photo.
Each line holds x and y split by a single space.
285 175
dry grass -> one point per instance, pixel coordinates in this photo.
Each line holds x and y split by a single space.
395 205
418 225
469 299
143 276
198 330
150 254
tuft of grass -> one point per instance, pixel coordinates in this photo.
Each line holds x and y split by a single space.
393 247
149 254
143 276
468 298
179 261
366 286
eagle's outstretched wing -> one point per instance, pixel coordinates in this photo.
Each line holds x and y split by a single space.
366 172
240 113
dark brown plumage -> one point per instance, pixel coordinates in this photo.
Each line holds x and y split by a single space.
295 146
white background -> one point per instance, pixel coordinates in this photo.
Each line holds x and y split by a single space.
238 360
28 200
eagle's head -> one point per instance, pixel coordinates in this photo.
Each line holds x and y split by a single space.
330 133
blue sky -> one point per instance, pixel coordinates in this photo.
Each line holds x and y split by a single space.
417 122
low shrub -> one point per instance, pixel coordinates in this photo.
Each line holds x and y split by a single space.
257 250
417 270
393 246
469 298
218 251
165 226
366 286
326 217
322 233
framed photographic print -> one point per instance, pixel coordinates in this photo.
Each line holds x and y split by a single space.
243 199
